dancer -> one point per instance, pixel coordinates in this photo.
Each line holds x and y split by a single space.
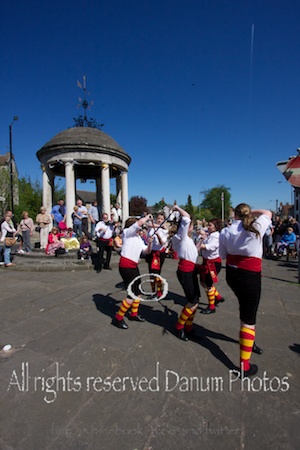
157 256
241 244
132 247
211 265
187 273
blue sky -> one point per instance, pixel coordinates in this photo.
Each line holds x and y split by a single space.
199 93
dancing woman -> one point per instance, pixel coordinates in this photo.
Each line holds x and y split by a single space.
211 265
187 273
157 256
132 247
241 245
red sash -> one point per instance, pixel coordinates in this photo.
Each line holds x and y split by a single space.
155 261
245 262
126 263
186 266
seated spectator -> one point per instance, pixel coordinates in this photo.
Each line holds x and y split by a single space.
85 249
69 239
288 238
54 242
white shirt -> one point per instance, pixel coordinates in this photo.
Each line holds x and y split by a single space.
133 245
183 244
212 246
104 230
163 234
235 240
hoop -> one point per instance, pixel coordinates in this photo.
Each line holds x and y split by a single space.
150 296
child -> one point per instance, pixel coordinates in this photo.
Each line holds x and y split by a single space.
85 249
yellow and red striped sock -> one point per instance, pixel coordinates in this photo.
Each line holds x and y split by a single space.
135 308
247 336
123 309
189 323
158 284
217 295
185 314
211 297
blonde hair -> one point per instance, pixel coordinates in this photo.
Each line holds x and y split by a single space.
243 212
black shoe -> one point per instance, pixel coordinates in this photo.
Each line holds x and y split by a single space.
181 334
207 311
98 270
136 318
107 268
119 323
251 371
256 349
222 300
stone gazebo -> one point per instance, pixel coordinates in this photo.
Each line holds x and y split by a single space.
85 153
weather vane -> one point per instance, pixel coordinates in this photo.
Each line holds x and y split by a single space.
84 121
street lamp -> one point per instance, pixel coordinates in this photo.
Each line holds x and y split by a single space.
11 165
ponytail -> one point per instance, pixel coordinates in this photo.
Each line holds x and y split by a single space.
243 212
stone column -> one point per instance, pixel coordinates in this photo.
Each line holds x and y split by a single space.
105 189
119 190
70 192
47 189
125 203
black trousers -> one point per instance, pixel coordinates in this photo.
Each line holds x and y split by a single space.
127 276
190 285
104 247
247 287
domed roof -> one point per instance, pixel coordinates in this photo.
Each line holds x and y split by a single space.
82 139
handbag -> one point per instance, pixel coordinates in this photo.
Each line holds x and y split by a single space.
10 241
38 228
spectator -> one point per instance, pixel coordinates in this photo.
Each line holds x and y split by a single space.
94 216
43 220
288 238
7 231
54 242
26 227
84 213
77 221
58 213
85 249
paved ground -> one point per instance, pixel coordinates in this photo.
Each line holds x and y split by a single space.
73 381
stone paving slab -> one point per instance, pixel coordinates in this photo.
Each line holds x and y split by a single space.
92 386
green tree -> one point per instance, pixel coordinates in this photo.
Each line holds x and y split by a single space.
213 201
189 206
30 198
159 206
137 205
4 190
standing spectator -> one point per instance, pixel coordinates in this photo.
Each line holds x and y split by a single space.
84 214
7 231
26 227
94 216
241 246
43 220
56 213
296 228
77 221
118 209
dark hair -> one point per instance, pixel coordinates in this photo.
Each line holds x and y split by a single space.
217 223
130 222
243 212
